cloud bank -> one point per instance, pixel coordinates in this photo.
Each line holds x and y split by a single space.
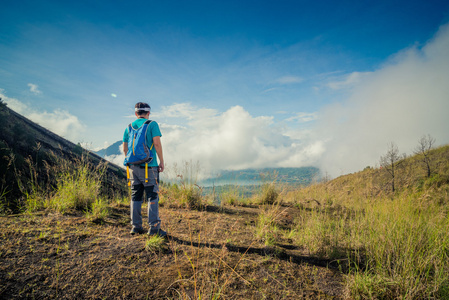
231 140
403 100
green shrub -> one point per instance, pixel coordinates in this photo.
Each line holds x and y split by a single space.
193 198
4 209
230 197
99 210
154 243
268 195
266 225
35 202
185 196
77 188
185 192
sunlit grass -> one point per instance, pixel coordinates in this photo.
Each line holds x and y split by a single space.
266 225
389 245
184 191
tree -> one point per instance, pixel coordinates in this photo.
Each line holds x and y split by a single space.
391 161
425 144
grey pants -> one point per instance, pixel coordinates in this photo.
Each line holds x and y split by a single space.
151 190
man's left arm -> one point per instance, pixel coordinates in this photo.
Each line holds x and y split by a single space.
158 146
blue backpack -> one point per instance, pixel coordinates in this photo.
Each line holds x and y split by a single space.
138 151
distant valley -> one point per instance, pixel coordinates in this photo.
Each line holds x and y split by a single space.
294 176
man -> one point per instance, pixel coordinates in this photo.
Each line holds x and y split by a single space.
142 179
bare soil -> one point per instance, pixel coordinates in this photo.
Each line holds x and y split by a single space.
212 252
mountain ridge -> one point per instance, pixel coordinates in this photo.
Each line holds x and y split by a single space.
110 150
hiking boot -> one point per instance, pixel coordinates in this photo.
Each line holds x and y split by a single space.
156 231
137 230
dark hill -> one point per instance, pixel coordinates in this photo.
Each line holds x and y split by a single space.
26 146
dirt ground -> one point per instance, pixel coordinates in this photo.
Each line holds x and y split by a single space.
210 254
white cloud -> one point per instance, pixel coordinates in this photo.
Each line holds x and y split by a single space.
116 159
34 89
230 140
113 95
303 117
13 103
289 80
185 111
59 121
347 80
269 90
405 99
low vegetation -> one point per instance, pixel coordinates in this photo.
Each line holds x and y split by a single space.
354 237
389 244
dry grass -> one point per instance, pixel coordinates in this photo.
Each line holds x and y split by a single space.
346 238
209 254
390 245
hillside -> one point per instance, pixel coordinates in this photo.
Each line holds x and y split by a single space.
348 238
395 243
26 147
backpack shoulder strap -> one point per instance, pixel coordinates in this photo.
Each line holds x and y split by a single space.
147 122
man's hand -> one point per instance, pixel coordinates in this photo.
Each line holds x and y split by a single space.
161 167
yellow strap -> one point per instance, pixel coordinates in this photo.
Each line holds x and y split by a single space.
127 175
146 172
151 146
134 138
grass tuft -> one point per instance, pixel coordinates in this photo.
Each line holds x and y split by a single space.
154 243
269 194
266 225
99 210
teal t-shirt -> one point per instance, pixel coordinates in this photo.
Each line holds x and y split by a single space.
153 130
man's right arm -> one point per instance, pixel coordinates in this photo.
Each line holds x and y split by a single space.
125 148
125 144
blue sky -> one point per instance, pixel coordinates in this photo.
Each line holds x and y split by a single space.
233 84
